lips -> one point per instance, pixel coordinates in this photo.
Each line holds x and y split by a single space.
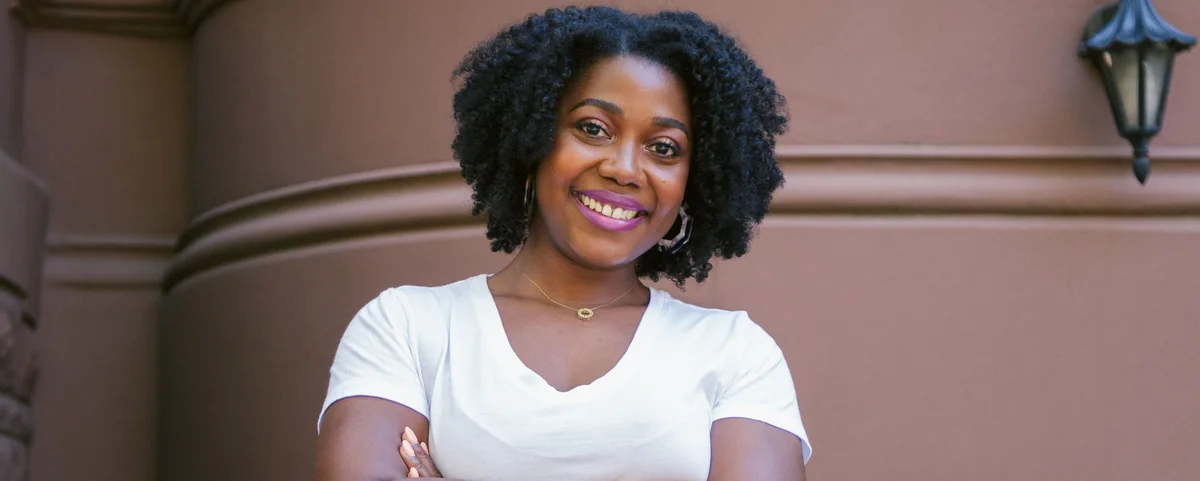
614 199
609 210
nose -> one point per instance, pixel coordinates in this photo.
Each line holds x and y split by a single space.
623 166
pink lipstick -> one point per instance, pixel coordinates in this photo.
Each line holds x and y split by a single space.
609 210
614 199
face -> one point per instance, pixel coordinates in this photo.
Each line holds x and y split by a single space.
614 181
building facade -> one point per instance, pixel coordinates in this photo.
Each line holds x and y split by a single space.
965 277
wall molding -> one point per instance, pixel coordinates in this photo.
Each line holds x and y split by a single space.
981 152
167 19
1006 180
392 200
883 180
111 262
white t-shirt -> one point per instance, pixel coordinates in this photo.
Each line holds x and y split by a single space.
442 351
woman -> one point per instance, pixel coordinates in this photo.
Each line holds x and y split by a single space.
608 147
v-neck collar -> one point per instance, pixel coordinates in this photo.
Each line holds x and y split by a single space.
497 340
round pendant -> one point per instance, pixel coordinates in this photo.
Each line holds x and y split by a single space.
584 313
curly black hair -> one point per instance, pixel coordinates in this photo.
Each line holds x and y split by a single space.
506 113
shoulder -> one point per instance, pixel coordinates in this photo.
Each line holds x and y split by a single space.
730 328
429 296
396 306
414 298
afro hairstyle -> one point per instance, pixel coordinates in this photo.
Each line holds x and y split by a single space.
509 90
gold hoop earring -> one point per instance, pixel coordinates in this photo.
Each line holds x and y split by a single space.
529 201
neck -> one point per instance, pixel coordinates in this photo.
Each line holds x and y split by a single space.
564 279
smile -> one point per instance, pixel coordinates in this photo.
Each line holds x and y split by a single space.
617 214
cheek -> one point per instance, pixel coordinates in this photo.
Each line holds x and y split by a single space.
670 183
566 160
571 148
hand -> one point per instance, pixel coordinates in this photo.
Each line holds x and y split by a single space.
416 457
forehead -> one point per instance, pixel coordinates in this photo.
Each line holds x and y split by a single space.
634 84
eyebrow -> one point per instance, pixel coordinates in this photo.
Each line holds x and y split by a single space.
670 122
607 106
615 110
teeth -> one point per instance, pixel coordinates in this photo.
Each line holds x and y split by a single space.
607 210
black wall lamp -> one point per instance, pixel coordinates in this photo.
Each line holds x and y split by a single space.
1134 49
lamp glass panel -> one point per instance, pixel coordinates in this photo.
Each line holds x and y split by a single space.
1158 61
1123 67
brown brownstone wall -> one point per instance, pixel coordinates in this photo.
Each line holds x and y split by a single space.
963 273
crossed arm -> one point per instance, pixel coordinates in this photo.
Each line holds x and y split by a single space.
360 439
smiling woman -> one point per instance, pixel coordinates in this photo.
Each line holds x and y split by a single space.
608 147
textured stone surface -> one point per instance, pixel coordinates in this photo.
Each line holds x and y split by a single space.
17 374
14 460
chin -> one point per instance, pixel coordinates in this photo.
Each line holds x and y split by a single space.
603 255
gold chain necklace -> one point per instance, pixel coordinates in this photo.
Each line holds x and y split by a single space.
584 313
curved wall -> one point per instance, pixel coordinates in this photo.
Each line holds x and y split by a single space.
964 275
289 92
105 129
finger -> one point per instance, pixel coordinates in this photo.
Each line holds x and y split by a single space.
426 460
420 449
422 463
409 456
412 473
408 438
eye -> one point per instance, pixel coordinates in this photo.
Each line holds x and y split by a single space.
664 149
592 128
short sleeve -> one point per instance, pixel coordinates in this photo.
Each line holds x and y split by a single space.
375 357
759 385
